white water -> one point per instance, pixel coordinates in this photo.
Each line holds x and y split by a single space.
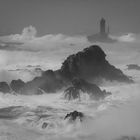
116 116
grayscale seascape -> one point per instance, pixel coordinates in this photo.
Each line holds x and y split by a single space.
69 70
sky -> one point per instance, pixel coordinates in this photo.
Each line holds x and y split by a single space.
68 16
46 32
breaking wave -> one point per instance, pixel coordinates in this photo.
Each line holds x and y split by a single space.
43 115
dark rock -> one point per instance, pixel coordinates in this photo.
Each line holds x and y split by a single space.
74 115
17 85
31 91
38 70
81 85
51 82
48 82
44 125
4 87
133 67
72 93
91 64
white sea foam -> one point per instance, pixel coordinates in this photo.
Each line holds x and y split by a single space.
56 108
114 118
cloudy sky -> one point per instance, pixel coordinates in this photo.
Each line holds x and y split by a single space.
68 16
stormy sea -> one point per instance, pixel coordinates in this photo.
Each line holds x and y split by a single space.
30 111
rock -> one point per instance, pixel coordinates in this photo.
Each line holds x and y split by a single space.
38 70
51 82
48 83
72 93
31 91
74 115
91 64
17 85
4 87
133 67
81 85
44 125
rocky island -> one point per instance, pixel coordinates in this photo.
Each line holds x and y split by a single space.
83 71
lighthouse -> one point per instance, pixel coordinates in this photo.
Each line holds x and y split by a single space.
102 26
103 34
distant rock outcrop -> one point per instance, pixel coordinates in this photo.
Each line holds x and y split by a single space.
80 85
133 67
4 87
74 115
91 64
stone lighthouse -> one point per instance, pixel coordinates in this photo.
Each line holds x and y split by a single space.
102 35
102 26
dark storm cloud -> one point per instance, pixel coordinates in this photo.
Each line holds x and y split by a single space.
68 16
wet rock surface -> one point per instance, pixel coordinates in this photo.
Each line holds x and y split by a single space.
90 64
17 85
80 85
133 67
44 125
4 87
74 115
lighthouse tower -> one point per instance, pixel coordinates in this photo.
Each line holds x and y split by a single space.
103 34
102 26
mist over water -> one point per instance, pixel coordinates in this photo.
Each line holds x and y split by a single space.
114 118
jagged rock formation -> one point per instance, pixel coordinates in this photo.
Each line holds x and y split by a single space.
91 64
48 82
74 115
4 87
17 85
80 85
72 93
